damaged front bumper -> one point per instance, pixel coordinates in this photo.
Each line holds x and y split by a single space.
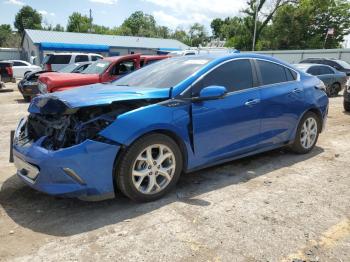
84 170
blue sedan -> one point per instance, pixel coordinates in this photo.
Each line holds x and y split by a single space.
139 133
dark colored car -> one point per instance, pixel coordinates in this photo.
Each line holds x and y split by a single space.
333 79
137 134
340 65
347 96
28 86
6 72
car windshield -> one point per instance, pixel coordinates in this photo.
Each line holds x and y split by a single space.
69 68
164 74
343 64
97 67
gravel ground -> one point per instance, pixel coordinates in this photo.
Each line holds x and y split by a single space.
275 206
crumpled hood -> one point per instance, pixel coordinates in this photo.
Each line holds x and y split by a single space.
92 95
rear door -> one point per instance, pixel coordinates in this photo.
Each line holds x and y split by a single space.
282 102
19 68
229 126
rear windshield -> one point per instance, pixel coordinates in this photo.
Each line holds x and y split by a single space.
343 64
97 67
69 68
57 59
165 73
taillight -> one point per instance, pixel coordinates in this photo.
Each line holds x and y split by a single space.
48 67
9 70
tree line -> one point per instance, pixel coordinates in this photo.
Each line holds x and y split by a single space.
280 24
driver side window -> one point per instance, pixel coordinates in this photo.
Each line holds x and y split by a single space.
234 75
123 68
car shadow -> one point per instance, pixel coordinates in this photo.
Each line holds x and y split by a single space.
5 90
65 217
21 101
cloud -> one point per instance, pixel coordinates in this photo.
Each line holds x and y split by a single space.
45 13
174 13
214 8
106 2
173 21
14 2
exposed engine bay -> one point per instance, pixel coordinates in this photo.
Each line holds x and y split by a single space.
75 126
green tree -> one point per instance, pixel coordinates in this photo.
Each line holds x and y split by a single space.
198 35
305 25
181 35
78 23
140 24
216 26
5 34
27 18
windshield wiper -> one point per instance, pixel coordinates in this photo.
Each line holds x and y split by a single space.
122 85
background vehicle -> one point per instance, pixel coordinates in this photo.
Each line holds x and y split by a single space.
21 68
28 86
332 78
56 61
6 72
347 97
340 65
105 70
84 141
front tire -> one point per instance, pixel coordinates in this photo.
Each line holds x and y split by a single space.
307 134
149 168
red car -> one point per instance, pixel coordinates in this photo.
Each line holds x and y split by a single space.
104 70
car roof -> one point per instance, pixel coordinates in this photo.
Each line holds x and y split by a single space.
306 66
70 53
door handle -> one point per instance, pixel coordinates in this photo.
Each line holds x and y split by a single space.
297 90
252 102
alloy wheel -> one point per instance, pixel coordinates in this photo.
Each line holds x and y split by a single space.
153 169
308 133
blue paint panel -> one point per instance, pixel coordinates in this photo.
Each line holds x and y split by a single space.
53 180
73 47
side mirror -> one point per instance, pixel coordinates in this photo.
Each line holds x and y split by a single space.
211 93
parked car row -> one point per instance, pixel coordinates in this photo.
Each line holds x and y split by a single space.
135 135
28 86
334 73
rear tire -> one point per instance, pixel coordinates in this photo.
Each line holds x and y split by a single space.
346 106
149 168
307 133
333 90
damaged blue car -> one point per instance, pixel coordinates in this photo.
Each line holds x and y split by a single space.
138 134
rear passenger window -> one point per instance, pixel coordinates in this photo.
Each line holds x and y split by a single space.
81 58
95 58
272 73
59 59
291 75
326 70
315 70
235 75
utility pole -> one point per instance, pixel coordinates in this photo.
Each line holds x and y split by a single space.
255 22
90 21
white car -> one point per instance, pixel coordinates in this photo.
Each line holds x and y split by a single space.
56 61
20 68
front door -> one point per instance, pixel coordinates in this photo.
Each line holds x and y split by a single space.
229 126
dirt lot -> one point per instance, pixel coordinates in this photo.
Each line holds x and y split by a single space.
275 206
